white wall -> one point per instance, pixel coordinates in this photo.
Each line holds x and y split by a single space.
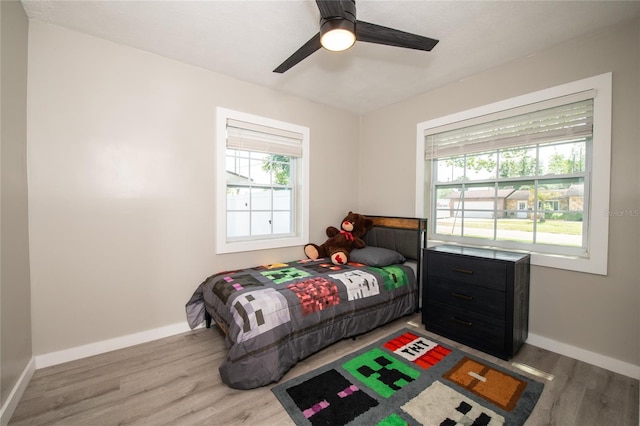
598 314
121 183
15 301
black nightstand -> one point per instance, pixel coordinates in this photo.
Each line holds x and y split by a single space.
478 297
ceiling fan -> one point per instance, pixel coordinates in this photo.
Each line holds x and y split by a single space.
339 29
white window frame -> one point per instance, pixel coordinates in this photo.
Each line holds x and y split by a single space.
301 204
598 228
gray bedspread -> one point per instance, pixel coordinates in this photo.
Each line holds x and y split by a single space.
275 315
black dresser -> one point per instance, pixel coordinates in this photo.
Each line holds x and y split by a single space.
478 297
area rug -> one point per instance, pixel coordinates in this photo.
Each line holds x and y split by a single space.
409 379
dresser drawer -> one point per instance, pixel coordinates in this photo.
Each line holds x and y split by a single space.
472 329
468 297
480 272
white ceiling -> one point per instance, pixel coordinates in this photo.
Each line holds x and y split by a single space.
248 39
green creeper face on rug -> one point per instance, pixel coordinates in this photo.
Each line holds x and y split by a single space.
381 372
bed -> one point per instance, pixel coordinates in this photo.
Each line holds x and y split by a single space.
275 315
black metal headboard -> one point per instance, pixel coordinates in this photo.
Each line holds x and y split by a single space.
406 235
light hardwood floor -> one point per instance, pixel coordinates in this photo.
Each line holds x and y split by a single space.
175 381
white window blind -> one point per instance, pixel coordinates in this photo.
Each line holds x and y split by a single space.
245 136
554 120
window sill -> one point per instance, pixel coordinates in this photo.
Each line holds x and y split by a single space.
224 247
569 263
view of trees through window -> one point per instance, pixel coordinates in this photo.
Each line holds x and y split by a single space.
259 193
530 194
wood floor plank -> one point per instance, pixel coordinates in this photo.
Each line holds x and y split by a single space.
175 381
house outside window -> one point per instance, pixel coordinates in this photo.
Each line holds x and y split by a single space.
521 174
262 182
514 199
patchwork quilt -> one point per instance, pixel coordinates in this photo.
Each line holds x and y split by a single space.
275 315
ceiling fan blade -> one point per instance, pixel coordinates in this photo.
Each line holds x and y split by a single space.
307 49
378 34
334 8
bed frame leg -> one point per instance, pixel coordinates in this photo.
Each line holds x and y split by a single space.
207 319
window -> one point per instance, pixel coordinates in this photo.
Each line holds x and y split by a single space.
521 174
262 182
511 194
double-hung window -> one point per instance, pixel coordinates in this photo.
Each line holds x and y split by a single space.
526 174
262 182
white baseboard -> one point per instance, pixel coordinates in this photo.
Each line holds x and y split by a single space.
16 393
97 348
589 357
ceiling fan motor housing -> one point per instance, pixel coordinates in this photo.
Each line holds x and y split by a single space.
347 21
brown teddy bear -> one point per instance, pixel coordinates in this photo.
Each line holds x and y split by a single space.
341 241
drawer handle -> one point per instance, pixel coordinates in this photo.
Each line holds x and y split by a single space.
461 296
462 271
462 322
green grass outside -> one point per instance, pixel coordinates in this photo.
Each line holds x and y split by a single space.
526 225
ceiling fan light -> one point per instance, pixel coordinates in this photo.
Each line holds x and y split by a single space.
338 40
337 34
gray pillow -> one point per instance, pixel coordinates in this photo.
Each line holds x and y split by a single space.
376 256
